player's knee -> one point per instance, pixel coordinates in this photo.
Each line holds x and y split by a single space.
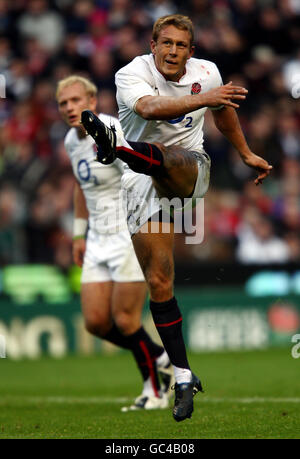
160 286
123 321
97 326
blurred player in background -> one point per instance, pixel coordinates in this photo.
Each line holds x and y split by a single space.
113 289
163 97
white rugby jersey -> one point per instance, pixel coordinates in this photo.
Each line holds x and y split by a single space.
101 184
141 78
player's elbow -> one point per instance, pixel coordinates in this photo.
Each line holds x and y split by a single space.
225 119
146 109
146 113
219 125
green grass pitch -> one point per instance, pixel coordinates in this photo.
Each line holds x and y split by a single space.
254 394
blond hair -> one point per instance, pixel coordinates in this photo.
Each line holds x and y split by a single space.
177 20
91 88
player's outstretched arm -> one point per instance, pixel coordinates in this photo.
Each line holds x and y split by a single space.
165 107
228 123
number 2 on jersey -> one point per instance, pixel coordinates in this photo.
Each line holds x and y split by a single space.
188 120
189 123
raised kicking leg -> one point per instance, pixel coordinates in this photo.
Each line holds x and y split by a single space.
173 169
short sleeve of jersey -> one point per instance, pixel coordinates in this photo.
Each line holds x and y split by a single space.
132 86
216 81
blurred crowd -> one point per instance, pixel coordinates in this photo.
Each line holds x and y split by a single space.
255 43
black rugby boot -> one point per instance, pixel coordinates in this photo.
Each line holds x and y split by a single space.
104 136
184 393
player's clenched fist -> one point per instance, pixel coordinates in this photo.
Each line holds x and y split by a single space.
223 95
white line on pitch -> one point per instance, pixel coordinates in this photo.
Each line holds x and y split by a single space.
118 400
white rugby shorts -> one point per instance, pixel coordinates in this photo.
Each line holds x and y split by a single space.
110 257
141 200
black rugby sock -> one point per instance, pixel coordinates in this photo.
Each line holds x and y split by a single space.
145 351
168 321
114 336
145 158
127 342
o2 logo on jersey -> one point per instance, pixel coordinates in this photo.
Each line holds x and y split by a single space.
84 172
188 120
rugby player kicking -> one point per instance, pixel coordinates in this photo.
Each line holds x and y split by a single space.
162 97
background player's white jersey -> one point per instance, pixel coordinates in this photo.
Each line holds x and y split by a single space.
141 78
101 184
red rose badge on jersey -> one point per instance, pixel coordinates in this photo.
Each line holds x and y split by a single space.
196 88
